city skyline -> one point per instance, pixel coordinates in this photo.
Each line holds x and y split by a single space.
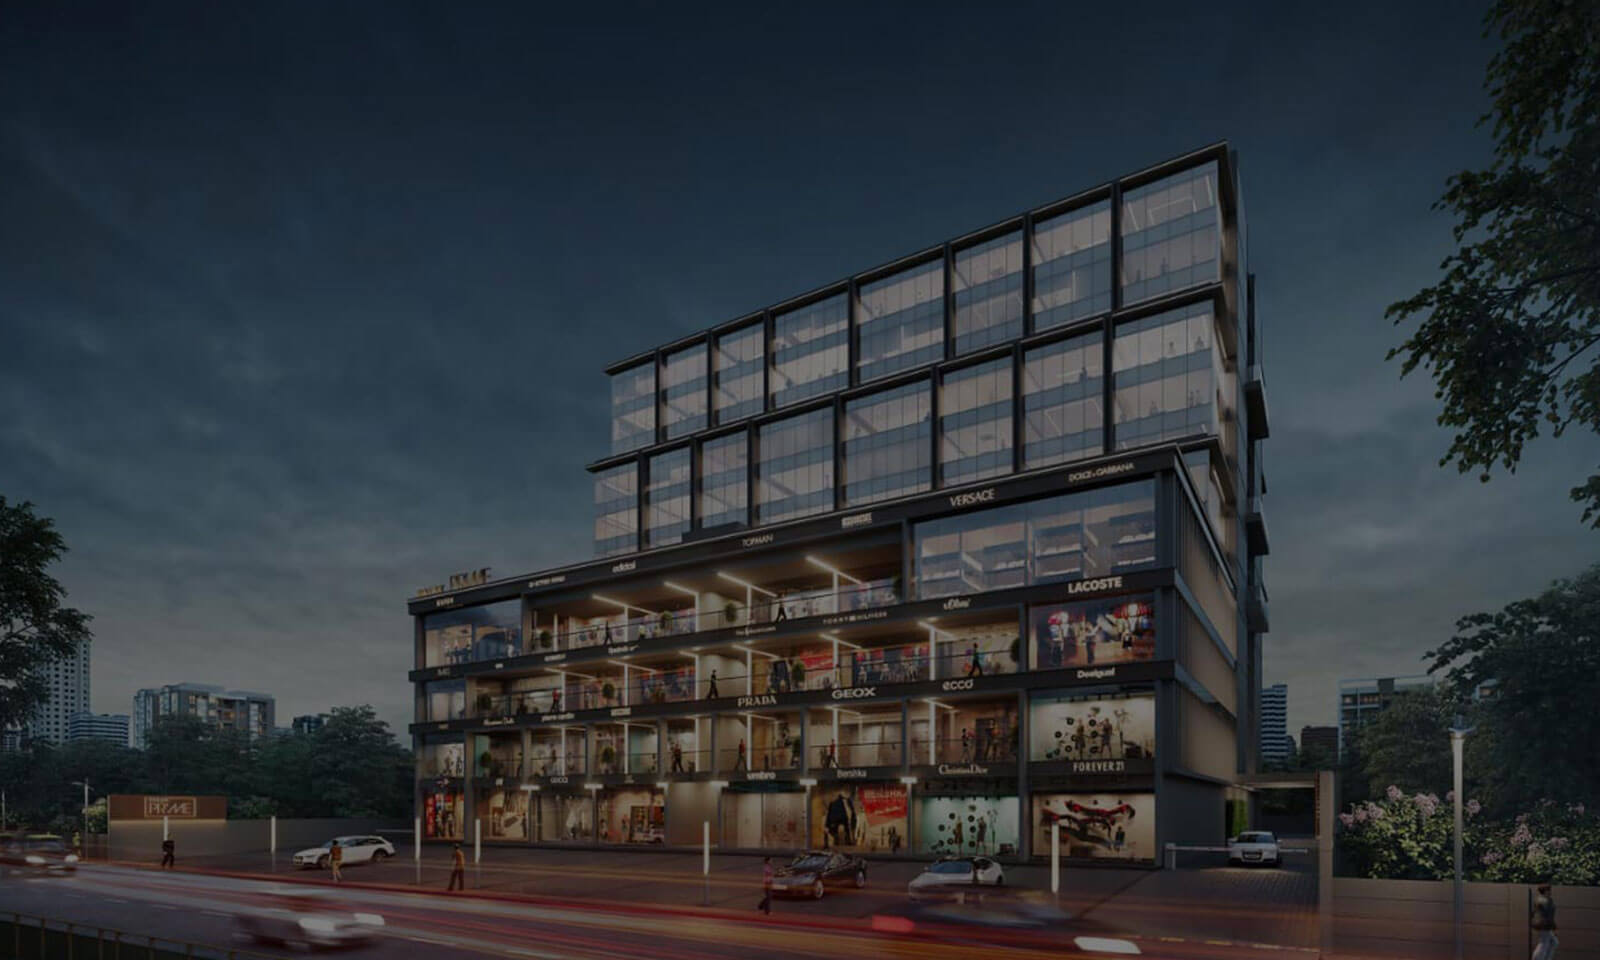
270 377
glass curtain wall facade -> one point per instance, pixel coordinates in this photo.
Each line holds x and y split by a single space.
666 498
987 284
1168 377
616 504
810 351
633 408
1063 417
975 422
888 444
1171 234
724 490
900 321
794 467
1072 266
736 374
683 392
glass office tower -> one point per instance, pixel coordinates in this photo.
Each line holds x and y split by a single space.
925 561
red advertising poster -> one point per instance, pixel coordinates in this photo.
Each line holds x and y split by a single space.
882 804
428 815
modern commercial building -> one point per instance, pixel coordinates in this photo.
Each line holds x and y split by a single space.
112 727
1321 742
242 710
1277 748
308 723
923 561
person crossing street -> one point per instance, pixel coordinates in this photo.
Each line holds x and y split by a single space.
458 871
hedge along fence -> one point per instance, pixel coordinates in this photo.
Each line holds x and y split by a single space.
1415 918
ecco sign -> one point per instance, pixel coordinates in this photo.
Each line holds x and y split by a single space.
950 686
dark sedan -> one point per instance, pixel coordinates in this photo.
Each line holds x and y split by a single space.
812 872
38 853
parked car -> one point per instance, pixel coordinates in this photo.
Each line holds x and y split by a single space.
1254 847
949 874
304 918
812 872
357 849
37 853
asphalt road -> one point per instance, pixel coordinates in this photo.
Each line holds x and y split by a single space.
200 907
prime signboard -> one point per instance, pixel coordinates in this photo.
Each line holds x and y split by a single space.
138 806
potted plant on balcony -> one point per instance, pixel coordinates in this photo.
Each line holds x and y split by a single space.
608 756
545 639
797 674
1016 652
608 690
665 622
485 703
486 763
730 613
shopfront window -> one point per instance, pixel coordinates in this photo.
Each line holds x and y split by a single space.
471 634
1099 826
616 517
888 444
975 423
1062 401
633 408
683 391
987 284
666 498
443 700
438 759
724 487
1171 234
754 817
736 373
1091 632
1169 378
633 815
968 826
900 321
565 818
1086 731
443 811
1073 536
794 469
810 351
504 811
861 818
1072 266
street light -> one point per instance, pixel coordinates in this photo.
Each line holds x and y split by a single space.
1458 737
85 835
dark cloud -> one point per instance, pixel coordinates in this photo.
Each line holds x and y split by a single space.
303 306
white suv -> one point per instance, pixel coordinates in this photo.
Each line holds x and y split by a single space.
1253 847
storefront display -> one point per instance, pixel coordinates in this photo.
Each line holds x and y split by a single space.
1096 825
756 817
504 813
1092 632
964 826
894 665
1083 730
472 634
442 814
867 817
995 646
632 816
565 817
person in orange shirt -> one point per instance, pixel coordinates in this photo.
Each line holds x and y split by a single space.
335 858
458 871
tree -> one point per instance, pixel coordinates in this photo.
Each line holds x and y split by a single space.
1407 744
1543 657
357 768
1508 333
35 629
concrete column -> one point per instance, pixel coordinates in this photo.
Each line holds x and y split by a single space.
1325 811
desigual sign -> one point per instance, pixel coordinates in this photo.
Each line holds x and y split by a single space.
1099 673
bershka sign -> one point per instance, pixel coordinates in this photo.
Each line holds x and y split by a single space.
761 700
760 539
1095 585
858 520
1099 766
973 498
957 603
502 722
855 773
962 770
854 693
1099 673
762 775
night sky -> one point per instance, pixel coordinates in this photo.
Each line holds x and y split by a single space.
305 305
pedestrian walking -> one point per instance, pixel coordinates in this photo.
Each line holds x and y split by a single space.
677 757
765 906
975 662
740 764
335 858
711 687
1543 922
966 746
458 871
169 853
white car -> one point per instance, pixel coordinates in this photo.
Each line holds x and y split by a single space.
1253 847
304 918
949 875
357 849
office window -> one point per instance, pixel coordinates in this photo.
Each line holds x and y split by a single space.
666 498
736 377
975 422
616 520
810 351
987 283
887 444
1063 415
1072 266
633 408
900 321
1171 234
683 391
794 467
1168 377
1073 536
723 487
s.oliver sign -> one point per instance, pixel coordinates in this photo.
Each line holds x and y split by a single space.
124 806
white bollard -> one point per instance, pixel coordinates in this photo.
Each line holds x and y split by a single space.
274 840
705 845
416 840
166 828
1055 857
477 840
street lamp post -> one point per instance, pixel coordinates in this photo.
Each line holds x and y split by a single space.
85 834
1458 737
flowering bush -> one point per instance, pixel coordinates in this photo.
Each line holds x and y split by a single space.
1410 838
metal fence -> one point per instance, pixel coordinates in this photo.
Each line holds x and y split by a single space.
25 937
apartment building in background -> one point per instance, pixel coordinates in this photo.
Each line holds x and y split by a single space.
928 560
111 727
1277 747
242 710
1321 742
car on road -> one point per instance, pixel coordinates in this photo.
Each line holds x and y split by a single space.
950 875
357 849
303 919
1024 917
1254 847
811 873
37 853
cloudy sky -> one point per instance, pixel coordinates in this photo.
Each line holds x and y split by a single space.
304 305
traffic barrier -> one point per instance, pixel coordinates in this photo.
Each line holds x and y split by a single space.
1174 849
28 937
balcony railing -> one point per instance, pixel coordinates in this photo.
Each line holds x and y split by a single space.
853 753
975 748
